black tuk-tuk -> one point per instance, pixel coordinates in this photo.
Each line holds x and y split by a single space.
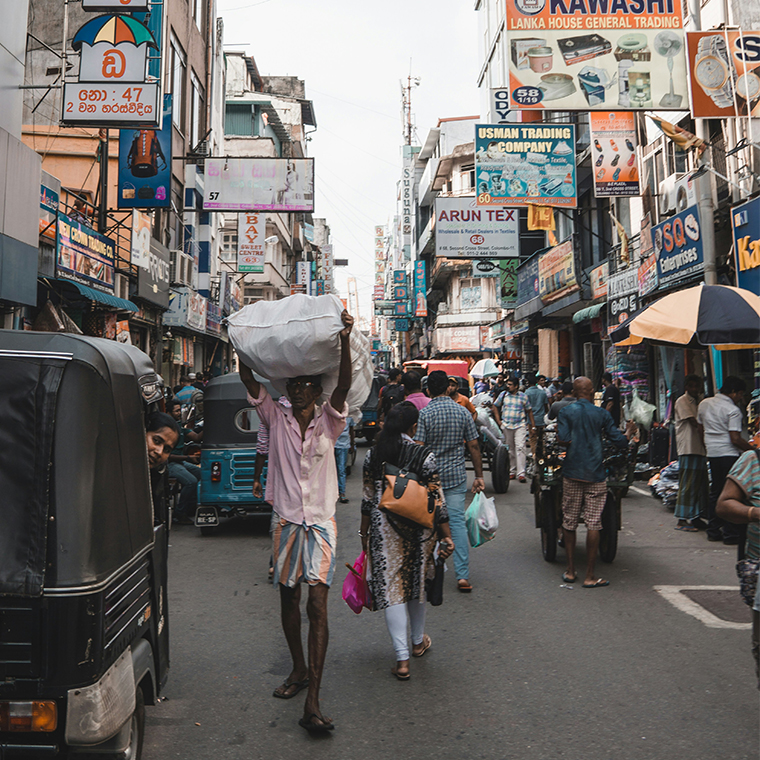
84 634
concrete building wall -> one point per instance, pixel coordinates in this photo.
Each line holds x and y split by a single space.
12 46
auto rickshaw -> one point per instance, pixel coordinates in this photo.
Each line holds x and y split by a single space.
546 487
228 454
369 427
84 626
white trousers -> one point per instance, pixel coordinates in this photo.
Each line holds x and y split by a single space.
396 618
515 438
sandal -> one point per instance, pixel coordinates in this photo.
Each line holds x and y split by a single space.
280 691
324 725
569 579
598 583
401 676
687 528
464 586
426 644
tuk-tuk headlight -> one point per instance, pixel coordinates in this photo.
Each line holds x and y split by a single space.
216 472
28 716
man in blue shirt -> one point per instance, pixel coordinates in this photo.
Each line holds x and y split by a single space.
539 403
584 489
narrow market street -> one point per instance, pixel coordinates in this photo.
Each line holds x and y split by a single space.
521 668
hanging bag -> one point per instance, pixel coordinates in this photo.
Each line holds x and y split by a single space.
404 496
356 592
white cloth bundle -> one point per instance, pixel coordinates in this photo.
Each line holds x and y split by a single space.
297 336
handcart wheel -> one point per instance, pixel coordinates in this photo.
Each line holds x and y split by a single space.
548 527
500 469
609 537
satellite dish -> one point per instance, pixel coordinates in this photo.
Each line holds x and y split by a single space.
669 45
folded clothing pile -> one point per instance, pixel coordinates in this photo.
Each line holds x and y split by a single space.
665 485
299 335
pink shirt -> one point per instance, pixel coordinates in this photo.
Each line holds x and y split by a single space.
420 400
302 480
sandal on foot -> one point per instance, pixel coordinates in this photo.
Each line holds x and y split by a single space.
569 579
324 725
281 692
687 528
598 583
426 644
401 676
464 586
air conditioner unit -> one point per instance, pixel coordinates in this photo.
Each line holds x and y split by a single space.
121 286
181 268
677 193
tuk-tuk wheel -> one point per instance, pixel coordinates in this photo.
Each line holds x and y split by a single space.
608 540
548 527
500 469
137 730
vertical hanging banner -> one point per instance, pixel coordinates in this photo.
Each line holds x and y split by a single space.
592 54
251 233
112 87
145 164
508 281
614 154
420 290
407 190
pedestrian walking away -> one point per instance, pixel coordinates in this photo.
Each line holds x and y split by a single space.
580 427
721 420
516 413
444 426
413 390
611 398
304 484
539 403
567 398
345 444
401 554
693 480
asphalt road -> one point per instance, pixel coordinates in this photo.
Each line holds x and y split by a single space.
521 668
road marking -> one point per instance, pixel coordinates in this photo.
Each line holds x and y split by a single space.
677 599
640 490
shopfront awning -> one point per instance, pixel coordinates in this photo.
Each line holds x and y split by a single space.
100 297
590 312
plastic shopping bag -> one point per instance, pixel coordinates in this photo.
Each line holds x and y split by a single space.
481 520
641 412
297 336
355 589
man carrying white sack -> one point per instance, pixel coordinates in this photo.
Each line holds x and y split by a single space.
304 487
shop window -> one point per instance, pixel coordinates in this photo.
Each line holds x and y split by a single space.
470 295
197 126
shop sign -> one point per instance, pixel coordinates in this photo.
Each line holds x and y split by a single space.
745 222
402 325
496 330
251 234
647 276
49 198
115 6
514 328
508 282
260 184
399 276
556 272
400 293
678 247
420 289
231 296
145 164
213 319
622 296
512 350
465 338
486 342
614 155
464 231
527 282
519 164
111 89
725 80
586 55
84 255
598 277
154 275
186 309
486 269
500 105
401 309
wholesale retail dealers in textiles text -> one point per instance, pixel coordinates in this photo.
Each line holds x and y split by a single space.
600 14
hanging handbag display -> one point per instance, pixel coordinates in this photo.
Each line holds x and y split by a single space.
404 496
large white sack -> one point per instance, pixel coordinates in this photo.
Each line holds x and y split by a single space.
296 336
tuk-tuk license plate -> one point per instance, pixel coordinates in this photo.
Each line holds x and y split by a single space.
206 516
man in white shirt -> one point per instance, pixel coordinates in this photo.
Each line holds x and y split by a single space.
721 419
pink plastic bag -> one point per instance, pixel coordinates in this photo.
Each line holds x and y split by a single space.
355 589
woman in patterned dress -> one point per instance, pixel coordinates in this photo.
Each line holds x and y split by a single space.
400 555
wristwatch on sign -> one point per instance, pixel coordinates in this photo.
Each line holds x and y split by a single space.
748 90
714 70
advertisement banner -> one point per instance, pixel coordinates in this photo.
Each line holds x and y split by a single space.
145 164
556 272
259 184
622 296
725 80
527 282
508 282
582 55
420 290
251 235
213 319
84 255
154 275
598 277
678 248
647 276
745 222
487 269
49 198
465 231
186 309
196 311
141 235
525 163
616 169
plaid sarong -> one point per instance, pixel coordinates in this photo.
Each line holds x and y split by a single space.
693 487
303 553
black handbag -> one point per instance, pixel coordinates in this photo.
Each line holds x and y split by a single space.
434 585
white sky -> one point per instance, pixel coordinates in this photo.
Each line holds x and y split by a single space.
352 55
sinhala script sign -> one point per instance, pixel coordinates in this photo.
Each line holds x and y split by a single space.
465 231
